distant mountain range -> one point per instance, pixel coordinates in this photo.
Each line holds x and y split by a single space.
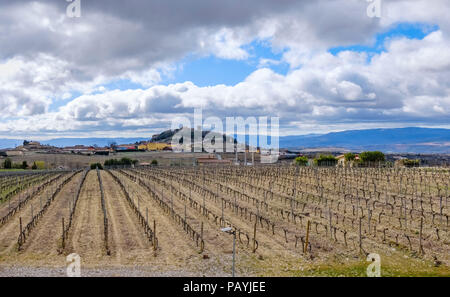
404 140
397 140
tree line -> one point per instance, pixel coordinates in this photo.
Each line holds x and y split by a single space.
365 158
9 164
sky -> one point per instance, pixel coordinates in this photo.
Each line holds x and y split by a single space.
128 68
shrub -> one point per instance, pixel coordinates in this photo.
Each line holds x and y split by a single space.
96 165
301 161
121 162
24 165
7 164
16 166
376 156
40 165
349 157
154 163
126 161
411 163
34 167
110 162
325 160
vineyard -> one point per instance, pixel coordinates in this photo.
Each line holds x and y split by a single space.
289 220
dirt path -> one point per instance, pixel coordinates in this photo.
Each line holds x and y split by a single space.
45 239
267 242
175 247
174 241
10 231
86 235
212 235
127 240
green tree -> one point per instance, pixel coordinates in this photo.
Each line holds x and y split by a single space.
325 160
349 157
7 164
24 165
126 161
411 163
34 167
40 165
121 162
301 161
154 163
376 156
96 165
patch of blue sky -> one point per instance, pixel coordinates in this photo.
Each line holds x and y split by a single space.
211 70
408 30
59 102
207 71
122 85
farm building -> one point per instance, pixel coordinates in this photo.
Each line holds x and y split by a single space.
127 148
343 162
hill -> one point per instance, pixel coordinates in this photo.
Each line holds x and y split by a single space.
404 140
414 140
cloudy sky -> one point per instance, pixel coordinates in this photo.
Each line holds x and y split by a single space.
127 68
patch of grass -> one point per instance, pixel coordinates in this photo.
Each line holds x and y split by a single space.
391 266
359 270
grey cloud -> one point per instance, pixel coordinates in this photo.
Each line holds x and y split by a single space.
52 55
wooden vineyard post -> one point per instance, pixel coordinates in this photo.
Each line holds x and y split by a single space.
406 222
171 202
330 223
185 216
201 239
360 234
63 235
146 214
204 204
222 223
154 236
20 223
254 236
305 248
420 237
